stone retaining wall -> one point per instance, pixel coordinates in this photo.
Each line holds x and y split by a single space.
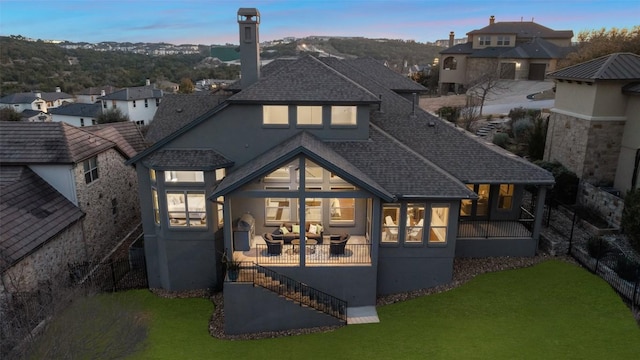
609 206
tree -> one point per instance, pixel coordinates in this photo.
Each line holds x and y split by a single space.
630 220
111 116
596 43
488 83
538 138
9 114
186 86
470 113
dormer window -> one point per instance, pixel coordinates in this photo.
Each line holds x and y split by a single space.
275 115
504 41
343 115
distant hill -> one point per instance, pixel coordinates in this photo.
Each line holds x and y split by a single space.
36 65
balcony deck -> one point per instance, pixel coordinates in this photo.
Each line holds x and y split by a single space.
357 253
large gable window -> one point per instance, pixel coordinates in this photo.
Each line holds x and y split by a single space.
277 210
343 115
309 115
90 170
275 115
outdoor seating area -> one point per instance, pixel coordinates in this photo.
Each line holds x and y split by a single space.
343 249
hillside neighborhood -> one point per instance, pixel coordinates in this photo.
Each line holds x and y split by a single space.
301 194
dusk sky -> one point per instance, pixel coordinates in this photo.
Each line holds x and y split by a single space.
214 21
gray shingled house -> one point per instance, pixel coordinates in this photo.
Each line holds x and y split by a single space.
330 185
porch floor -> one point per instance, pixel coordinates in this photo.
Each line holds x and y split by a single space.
357 252
362 315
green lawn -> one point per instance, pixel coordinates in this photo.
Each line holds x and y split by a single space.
554 310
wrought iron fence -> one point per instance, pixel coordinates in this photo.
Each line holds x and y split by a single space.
485 229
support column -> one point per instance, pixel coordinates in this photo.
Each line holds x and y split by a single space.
538 214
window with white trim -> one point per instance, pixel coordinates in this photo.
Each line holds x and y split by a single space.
503 40
90 170
343 115
484 40
275 115
309 115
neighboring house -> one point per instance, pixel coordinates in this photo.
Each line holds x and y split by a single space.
168 86
24 101
34 116
41 231
138 103
56 98
77 114
86 166
515 50
594 128
91 95
325 147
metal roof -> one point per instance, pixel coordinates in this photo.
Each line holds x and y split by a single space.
616 66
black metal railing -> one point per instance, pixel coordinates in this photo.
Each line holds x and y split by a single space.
317 254
289 288
521 228
613 265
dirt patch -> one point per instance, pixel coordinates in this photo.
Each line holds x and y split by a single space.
434 103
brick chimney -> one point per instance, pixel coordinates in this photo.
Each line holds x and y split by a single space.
492 20
452 36
248 21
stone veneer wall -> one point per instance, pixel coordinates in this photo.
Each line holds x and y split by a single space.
104 225
590 148
608 205
48 263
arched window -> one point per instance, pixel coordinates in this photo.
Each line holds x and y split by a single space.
450 63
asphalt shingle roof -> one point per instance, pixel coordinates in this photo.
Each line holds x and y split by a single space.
302 143
48 143
134 93
77 109
537 48
126 135
523 30
186 159
32 212
389 79
616 66
177 110
307 80
19 98
468 158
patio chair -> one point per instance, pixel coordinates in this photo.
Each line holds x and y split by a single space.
337 244
274 247
391 227
415 232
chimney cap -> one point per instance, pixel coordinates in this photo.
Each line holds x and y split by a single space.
246 14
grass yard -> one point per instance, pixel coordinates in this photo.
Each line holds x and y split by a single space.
554 310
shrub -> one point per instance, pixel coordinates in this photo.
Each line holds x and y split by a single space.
538 138
630 220
450 113
597 247
627 269
501 140
521 128
566 187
